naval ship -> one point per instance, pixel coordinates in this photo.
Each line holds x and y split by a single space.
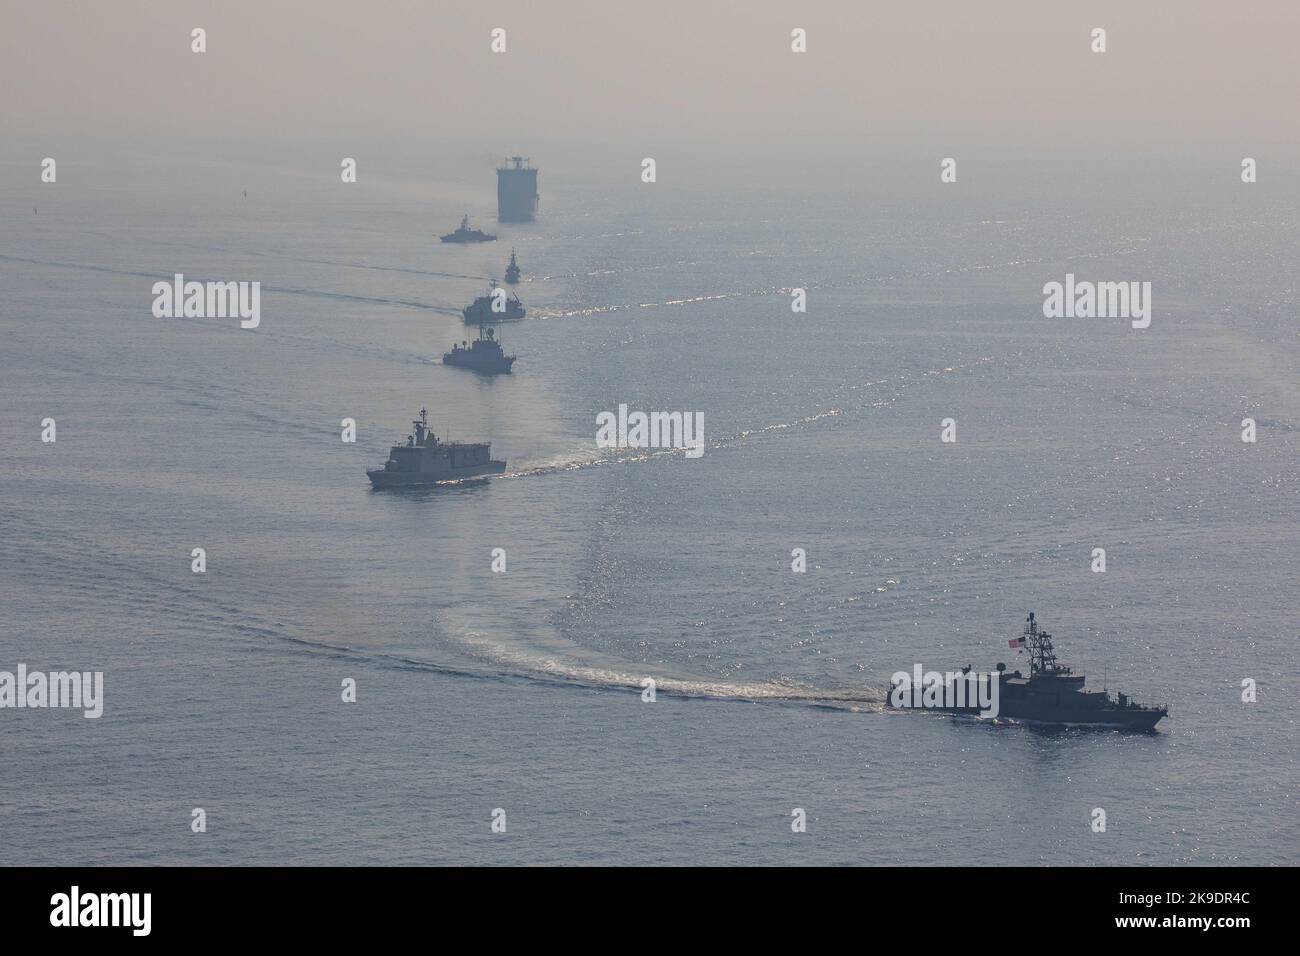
480 310
424 460
466 234
1054 694
512 270
484 355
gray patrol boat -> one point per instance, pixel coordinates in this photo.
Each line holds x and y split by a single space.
484 355
466 234
1054 694
480 311
424 460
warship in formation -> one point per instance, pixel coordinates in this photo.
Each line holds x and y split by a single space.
484 355
512 270
424 460
480 311
465 234
1053 694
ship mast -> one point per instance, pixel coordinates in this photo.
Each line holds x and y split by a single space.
421 424
1042 657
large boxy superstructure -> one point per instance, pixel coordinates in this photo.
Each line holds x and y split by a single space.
517 190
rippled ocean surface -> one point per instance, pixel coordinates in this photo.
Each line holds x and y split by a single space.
522 690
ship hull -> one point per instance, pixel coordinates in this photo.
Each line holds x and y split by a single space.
1142 720
1127 719
494 368
473 318
383 479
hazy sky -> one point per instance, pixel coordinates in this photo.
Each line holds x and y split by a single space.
698 75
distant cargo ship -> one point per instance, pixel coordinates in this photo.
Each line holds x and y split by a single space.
424 460
516 191
484 355
466 234
1054 694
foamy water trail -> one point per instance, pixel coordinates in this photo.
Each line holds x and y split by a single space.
594 457
557 659
497 660
557 664
656 267
591 457
685 300
847 282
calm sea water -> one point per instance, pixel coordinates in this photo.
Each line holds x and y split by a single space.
522 690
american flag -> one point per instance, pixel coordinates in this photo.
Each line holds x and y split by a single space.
1017 642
